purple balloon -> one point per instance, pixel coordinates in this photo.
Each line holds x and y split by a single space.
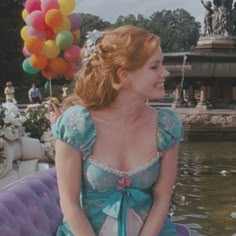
35 32
76 21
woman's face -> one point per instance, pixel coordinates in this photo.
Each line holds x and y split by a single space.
148 81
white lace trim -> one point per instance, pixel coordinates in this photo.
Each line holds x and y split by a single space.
115 171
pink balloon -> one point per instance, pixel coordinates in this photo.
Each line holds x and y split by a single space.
72 69
72 54
32 5
49 4
26 53
37 20
35 32
76 21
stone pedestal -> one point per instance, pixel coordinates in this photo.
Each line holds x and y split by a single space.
191 96
216 44
209 96
202 105
179 101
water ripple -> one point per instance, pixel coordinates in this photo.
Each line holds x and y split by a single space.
205 192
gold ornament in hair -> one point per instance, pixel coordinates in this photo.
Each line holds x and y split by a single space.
92 37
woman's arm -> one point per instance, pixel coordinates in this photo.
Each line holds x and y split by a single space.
162 194
69 175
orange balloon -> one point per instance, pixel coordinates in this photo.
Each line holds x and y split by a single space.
38 62
65 25
48 74
58 65
33 44
53 18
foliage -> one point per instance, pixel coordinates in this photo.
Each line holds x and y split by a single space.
91 22
11 56
37 120
139 21
177 29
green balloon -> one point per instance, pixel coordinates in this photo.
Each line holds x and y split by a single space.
28 68
64 39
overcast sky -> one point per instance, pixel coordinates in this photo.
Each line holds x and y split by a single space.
110 10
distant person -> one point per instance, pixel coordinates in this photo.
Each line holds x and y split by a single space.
9 92
64 91
54 110
34 94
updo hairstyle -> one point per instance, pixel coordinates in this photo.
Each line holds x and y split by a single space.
128 47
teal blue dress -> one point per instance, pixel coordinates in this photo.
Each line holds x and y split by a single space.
116 202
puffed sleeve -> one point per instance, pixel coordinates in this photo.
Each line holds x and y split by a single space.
170 129
76 128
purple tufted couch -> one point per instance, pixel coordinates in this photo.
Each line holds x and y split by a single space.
30 207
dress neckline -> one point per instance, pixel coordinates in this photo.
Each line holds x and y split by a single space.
118 172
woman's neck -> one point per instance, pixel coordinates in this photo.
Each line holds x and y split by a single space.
124 110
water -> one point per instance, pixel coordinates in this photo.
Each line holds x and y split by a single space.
205 192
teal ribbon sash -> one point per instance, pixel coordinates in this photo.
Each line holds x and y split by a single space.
116 203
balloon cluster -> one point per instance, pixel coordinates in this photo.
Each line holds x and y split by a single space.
51 37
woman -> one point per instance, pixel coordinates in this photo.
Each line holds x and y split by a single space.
64 91
54 110
9 92
114 152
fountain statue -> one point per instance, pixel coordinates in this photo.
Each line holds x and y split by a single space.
219 20
219 26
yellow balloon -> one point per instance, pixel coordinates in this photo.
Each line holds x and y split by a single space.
66 25
24 32
66 6
76 33
50 49
24 14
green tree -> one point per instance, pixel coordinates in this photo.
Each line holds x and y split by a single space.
11 42
178 29
139 21
91 22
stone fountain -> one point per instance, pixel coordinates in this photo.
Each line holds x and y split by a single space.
210 67
205 77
